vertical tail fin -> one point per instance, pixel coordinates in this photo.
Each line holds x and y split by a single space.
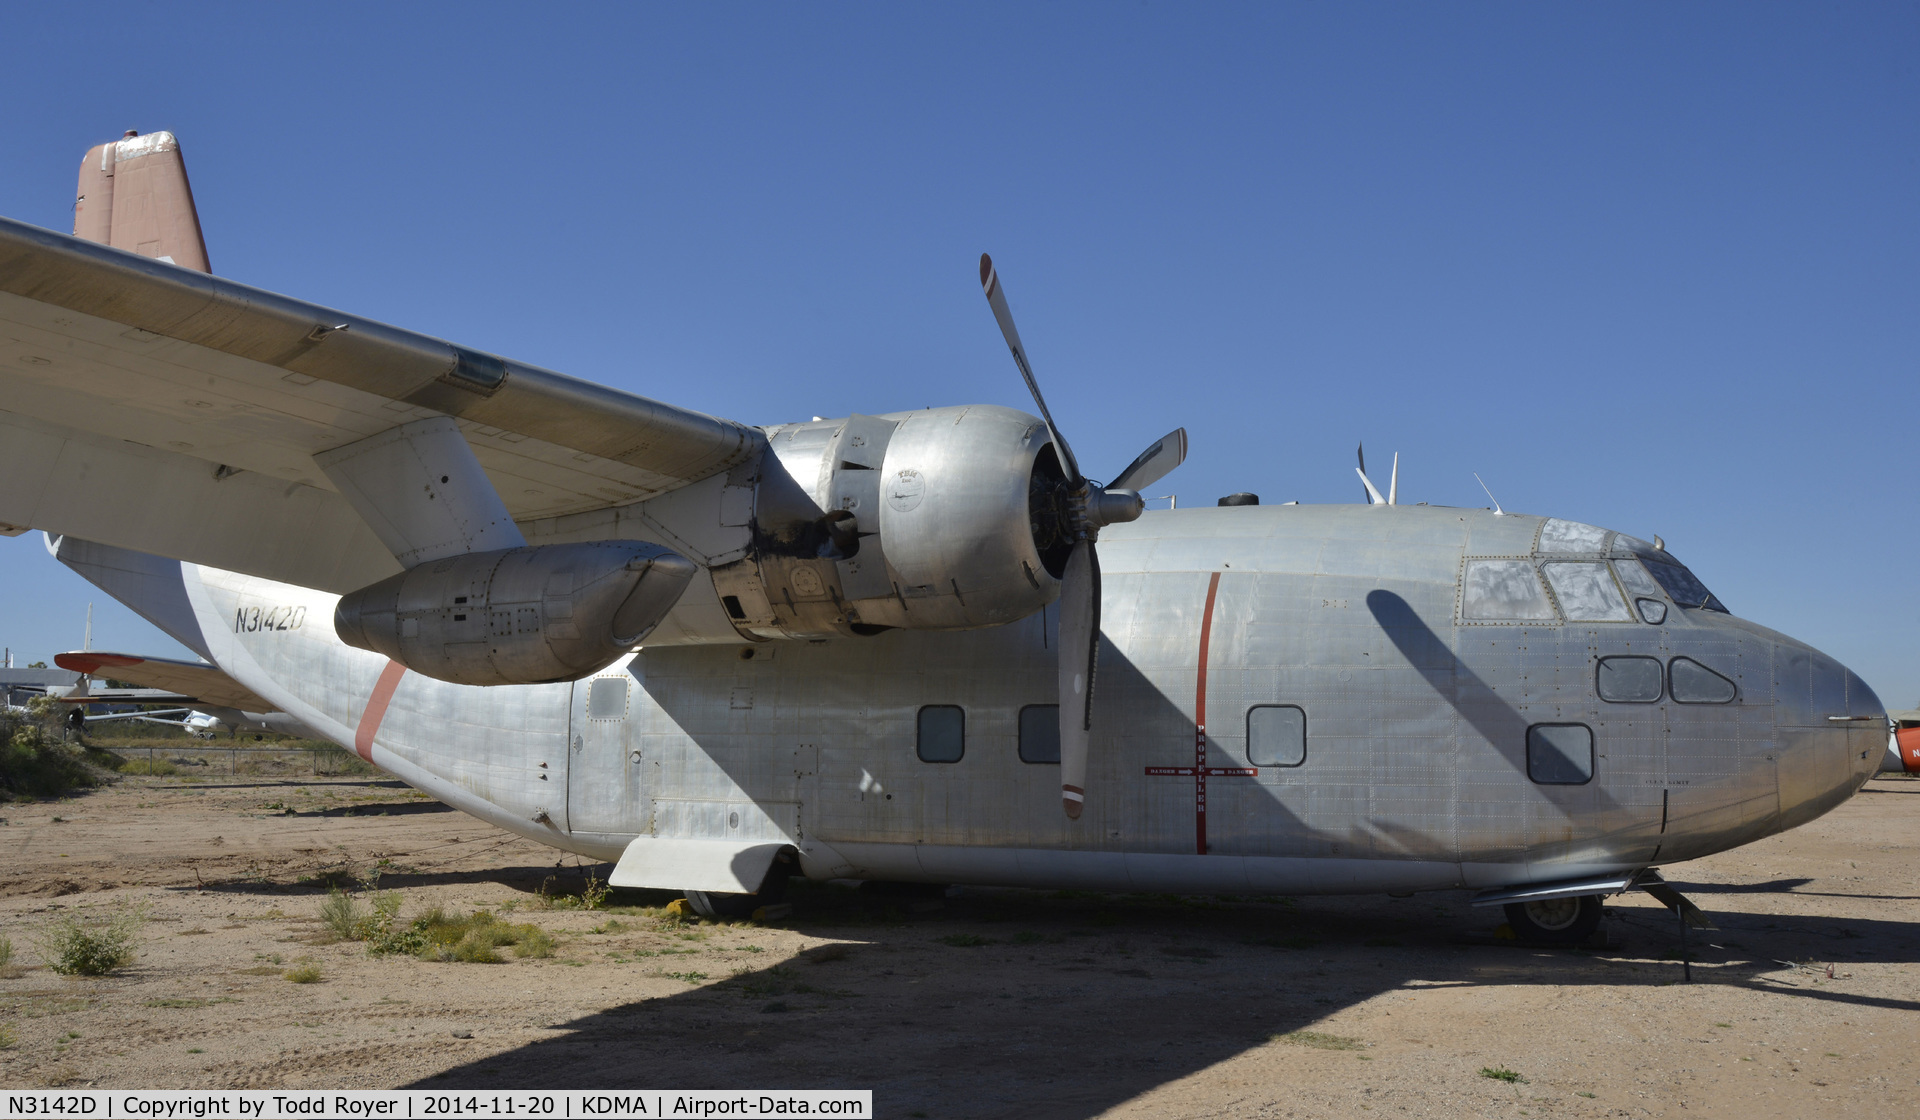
134 195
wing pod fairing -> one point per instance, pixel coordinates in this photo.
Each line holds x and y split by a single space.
519 615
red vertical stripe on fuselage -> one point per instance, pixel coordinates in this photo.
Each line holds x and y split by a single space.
1200 722
376 709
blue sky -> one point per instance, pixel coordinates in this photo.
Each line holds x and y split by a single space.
1647 266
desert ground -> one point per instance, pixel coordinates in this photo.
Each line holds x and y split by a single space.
982 1003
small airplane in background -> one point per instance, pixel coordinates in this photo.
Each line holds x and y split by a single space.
720 654
212 702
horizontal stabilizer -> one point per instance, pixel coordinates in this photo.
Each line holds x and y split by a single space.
183 681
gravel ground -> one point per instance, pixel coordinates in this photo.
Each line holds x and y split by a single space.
986 1003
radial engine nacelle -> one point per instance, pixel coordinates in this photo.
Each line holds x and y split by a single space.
518 615
940 519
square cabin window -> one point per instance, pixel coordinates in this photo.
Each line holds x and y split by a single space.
1276 735
1629 680
943 733
1040 733
607 698
1560 754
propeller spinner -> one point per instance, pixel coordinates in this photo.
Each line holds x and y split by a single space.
1088 508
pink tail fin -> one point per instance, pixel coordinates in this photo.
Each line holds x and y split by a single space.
134 195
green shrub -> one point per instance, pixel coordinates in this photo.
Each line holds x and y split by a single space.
383 933
475 938
152 767
1502 1073
303 974
72 946
35 763
535 942
341 915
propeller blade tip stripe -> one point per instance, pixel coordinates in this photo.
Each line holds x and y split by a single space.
986 273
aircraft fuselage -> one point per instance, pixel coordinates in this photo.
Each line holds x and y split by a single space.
1366 728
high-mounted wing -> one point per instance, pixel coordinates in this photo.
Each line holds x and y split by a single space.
182 681
169 411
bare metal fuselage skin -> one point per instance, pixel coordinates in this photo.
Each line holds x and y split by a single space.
1415 773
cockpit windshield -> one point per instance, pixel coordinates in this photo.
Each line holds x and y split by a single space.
1683 586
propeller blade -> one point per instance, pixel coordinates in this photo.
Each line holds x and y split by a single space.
1154 463
1079 653
1393 483
997 299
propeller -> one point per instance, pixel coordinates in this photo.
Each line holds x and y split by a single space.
1088 508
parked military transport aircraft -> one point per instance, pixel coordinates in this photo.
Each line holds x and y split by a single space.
866 647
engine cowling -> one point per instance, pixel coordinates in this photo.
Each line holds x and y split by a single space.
519 615
941 519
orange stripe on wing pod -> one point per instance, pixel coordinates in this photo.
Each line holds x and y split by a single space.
376 709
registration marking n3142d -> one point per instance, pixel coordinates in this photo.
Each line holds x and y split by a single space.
247 620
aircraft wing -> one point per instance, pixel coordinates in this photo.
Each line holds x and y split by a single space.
168 681
169 411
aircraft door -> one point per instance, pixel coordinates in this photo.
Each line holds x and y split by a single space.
606 787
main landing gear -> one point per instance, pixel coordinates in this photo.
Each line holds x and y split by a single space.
1555 921
718 907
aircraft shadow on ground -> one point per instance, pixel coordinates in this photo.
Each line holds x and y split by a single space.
1020 1003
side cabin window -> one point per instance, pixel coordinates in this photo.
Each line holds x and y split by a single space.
1694 683
1276 735
1503 591
1040 733
1628 680
943 733
607 698
1560 754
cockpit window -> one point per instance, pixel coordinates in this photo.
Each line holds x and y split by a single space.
1683 587
1645 592
1586 592
1503 591
1571 536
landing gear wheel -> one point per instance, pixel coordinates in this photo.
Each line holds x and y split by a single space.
1555 921
716 906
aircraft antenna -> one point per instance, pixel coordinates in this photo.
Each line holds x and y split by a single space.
1497 511
1372 492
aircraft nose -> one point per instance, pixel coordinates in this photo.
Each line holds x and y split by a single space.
1832 731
